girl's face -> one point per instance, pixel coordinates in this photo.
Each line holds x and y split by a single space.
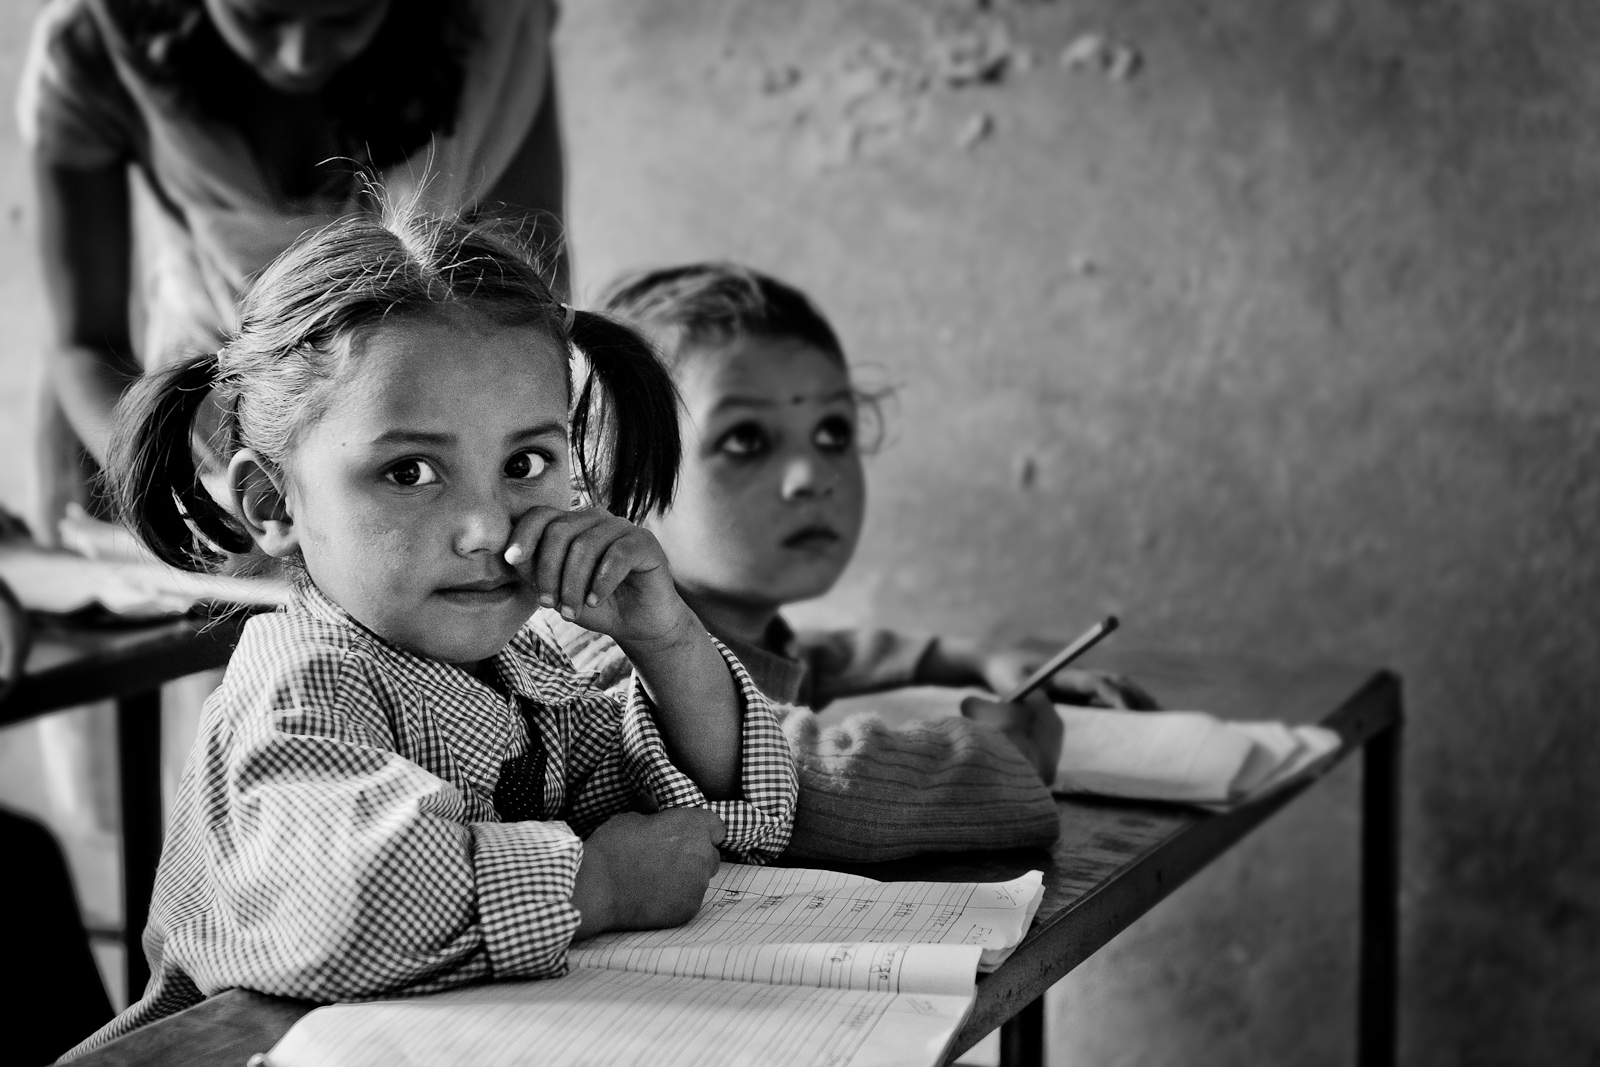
403 494
295 46
771 495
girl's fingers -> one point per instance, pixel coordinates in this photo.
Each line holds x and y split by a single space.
585 552
622 557
525 536
550 555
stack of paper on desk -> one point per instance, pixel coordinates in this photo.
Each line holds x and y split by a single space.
781 967
1186 756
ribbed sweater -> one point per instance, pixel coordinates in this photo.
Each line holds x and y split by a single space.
870 791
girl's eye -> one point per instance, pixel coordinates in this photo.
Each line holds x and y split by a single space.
527 465
412 472
834 434
745 439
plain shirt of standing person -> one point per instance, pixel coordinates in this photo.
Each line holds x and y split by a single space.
232 171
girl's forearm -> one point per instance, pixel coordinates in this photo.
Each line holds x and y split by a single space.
698 705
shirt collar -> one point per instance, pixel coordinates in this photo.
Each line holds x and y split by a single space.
530 665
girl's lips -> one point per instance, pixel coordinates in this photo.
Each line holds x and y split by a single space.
488 590
811 537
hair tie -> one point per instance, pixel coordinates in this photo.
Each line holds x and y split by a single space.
572 315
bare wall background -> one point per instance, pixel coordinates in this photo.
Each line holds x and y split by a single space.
1273 334
1278 339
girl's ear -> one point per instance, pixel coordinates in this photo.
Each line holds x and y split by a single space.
261 501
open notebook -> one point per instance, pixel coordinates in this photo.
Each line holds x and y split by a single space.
781 967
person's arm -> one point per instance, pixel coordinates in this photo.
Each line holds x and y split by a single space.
611 576
535 182
85 249
617 756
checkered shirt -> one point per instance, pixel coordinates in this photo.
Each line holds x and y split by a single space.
335 838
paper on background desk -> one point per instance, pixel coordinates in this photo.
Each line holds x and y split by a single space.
1185 757
63 583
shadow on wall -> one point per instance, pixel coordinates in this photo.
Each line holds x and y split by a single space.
1266 326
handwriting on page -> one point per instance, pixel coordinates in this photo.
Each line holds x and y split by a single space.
747 907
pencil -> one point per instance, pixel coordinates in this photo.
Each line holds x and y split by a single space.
1090 638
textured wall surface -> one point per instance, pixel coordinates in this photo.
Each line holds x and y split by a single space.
1280 342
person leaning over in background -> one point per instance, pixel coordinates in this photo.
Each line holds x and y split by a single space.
770 504
179 145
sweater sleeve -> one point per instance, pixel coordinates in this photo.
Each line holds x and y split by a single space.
851 662
871 792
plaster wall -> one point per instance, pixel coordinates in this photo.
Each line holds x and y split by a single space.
1280 344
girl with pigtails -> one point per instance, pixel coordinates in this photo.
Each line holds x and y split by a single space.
402 784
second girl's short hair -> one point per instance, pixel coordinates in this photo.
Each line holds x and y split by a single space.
716 302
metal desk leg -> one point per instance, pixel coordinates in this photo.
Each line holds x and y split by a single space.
139 767
1377 1034
1022 1037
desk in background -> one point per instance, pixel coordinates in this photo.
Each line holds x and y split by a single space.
1115 861
71 665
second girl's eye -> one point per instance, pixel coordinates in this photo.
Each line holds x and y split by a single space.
527 464
411 473
834 434
745 439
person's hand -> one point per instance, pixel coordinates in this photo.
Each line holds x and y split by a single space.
599 571
1031 724
645 872
1006 667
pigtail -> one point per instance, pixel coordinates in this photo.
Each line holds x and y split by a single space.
625 434
152 473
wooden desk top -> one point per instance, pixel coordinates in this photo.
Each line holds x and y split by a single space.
1114 861
73 664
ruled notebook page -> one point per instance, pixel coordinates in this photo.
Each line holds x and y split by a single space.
885 968
624 1019
748 905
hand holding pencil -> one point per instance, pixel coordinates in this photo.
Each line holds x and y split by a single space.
1029 683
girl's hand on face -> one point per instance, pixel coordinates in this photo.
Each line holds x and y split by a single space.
599 571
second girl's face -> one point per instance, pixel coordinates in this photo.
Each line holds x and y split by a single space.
403 494
295 46
771 494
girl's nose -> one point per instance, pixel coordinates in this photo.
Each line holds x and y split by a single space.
484 527
804 477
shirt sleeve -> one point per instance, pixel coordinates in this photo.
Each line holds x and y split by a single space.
71 105
849 662
871 792
311 860
617 759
